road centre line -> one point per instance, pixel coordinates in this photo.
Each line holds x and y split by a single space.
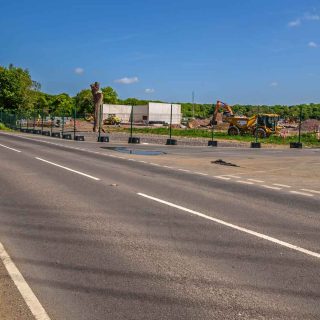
245 182
254 180
302 193
310 190
26 292
270 187
222 178
233 226
2 145
281 185
69 169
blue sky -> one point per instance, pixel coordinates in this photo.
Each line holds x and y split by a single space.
239 51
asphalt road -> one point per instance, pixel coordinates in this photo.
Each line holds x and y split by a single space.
122 239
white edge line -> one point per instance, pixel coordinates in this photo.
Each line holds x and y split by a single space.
66 168
2 145
26 292
230 225
302 193
310 190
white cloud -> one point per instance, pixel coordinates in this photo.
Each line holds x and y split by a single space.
274 84
295 23
149 91
310 16
79 71
127 80
312 44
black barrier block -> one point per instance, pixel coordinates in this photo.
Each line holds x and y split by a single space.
46 133
79 138
29 131
134 140
171 142
36 131
67 136
295 145
256 145
55 134
103 139
23 130
212 143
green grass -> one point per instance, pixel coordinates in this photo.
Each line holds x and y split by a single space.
308 139
4 128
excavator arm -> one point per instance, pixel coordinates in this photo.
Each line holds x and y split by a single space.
227 111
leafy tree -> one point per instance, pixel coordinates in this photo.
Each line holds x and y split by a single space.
62 105
84 101
16 88
109 95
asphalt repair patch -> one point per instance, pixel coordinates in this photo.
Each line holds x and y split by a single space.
135 151
224 163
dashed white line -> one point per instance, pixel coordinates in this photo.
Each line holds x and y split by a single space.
232 176
201 174
281 185
222 178
168 167
233 226
270 187
312 191
245 182
2 145
302 193
27 294
255 180
184 170
68 169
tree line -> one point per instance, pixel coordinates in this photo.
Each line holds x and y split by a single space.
19 93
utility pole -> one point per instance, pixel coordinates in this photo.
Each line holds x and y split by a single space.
193 104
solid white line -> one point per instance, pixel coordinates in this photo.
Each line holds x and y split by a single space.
270 187
223 178
302 193
245 182
27 294
254 180
66 168
310 190
233 226
281 185
9 148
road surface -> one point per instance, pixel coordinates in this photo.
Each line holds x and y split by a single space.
98 234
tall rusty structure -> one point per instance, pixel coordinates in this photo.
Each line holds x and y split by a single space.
97 101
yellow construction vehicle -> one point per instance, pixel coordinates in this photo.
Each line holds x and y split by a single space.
260 125
112 120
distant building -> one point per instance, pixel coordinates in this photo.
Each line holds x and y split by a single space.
153 112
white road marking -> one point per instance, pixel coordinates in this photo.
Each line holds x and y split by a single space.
222 178
270 187
131 160
233 226
154 164
142 161
184 170
168 167
254 180
201 174
2 145
281 185
310 190
245 182
66 168
231 176
26 292
302 193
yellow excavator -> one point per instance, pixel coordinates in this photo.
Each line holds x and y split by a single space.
260 125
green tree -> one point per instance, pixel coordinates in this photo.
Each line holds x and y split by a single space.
109 95
62 105
84 101
16 88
